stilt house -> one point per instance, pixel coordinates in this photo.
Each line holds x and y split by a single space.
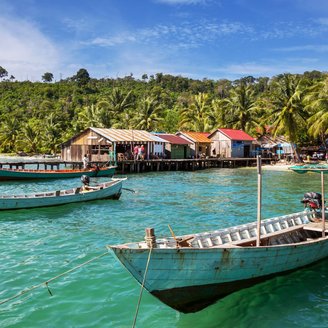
100 143
231 143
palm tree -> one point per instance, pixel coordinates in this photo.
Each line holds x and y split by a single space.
241 106
30 135
196 117
147 115
289 115
218 116
52 134
115 107
317 105
9 133
90 116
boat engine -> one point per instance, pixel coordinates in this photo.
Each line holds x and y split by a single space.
313 200
85 180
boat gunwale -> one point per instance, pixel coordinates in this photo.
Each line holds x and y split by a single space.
62 193
59 171
167 242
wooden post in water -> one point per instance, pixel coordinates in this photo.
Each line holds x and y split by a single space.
323 216
259 199
150 237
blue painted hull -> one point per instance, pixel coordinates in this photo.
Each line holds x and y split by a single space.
109 190
190 278
20 174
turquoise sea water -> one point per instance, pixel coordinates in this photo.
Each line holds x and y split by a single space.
38 244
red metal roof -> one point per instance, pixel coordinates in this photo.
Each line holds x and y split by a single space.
236 134
173 139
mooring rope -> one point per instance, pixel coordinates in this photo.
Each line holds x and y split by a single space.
23 292
142 288
131 190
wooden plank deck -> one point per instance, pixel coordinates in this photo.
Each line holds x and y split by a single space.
140 166
316 226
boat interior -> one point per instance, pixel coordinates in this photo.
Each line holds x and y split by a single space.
288 229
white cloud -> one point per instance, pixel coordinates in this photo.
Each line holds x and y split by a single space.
112 41
25 52
186 35
310 47
322 21
233 71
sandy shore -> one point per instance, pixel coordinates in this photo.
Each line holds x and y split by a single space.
276 167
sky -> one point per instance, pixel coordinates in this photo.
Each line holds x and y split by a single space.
198 39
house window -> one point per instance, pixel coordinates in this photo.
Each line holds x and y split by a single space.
100 149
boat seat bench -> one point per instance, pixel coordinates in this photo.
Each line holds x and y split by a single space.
316 226
267 236
246 241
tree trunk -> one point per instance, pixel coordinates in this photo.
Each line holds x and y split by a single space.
297 156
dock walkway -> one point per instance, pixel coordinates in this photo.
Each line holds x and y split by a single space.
140 166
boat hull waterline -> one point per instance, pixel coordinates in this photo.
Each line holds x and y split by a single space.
23 174
106 190
189 279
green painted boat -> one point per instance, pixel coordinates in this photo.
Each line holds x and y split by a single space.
23 174
315 167
106 190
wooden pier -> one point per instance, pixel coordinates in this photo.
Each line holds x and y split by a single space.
141 166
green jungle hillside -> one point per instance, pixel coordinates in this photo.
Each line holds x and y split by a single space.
36 117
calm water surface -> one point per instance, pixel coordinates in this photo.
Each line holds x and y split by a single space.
38 244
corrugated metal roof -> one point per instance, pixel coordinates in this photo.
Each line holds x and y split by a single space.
121 135
173 139
197 136
236 134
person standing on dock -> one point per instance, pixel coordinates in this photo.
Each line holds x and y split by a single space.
85 161
142 152
139 153
111 156
135 152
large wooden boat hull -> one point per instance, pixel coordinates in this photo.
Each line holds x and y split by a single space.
191 278
22 174
107 190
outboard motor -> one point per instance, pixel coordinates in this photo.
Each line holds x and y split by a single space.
85 179
313 200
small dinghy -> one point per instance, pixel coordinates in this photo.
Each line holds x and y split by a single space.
106 190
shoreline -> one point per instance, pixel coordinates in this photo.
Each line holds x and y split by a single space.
277 167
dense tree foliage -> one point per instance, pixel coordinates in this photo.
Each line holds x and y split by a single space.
38 117
47 77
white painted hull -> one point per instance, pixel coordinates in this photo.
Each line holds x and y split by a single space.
110 189
190 278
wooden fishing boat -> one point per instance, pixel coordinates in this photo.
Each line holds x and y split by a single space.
314 167
192 271
110 189
22 174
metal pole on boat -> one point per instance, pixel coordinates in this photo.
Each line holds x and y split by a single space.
323 205
115 157
259 198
